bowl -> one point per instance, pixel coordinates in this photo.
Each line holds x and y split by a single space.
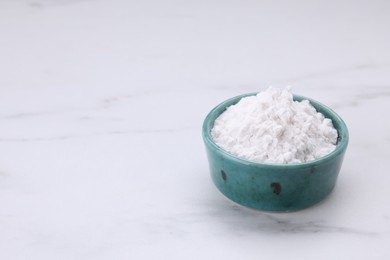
274 187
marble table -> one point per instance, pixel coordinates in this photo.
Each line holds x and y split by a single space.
101 107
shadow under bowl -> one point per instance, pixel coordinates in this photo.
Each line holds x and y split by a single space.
274 187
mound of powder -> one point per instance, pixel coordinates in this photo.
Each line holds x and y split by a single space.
273 128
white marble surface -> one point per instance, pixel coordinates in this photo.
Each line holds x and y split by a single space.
101 106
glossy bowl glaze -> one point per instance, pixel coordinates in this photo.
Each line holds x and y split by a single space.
274 187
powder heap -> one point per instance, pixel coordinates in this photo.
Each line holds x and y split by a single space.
273 128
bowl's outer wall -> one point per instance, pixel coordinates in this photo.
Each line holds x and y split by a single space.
272 187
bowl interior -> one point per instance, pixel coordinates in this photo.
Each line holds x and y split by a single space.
338 124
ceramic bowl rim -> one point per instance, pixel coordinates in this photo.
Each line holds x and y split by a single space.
220 108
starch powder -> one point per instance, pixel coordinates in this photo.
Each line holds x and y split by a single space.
273 128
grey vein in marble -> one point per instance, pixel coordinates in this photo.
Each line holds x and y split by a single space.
91 135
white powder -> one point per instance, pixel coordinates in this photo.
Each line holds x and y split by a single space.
272 128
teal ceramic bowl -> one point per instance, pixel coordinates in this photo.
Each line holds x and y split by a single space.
274 187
